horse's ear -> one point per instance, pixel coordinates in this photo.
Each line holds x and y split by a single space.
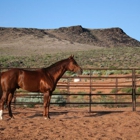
72 56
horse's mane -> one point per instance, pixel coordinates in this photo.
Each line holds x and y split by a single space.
57 65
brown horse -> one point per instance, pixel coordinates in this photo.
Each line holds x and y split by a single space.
42 80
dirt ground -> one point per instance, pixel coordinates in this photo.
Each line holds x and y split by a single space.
71 123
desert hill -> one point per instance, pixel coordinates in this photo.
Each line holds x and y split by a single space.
111 37
30 47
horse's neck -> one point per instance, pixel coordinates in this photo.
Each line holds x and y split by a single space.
57 72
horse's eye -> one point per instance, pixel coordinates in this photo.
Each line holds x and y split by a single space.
74 63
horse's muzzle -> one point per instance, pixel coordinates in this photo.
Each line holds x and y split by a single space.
79 71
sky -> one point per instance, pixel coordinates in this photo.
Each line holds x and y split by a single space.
52 14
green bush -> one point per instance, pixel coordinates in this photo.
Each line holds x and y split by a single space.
115 90
58 99
127 90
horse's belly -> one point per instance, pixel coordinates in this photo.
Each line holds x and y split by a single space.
31 86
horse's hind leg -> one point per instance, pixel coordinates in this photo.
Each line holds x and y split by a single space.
2 101
9 100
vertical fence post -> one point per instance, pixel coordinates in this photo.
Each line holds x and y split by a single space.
133 90
68 90
116 92
90 98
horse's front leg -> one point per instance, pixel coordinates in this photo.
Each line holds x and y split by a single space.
47 99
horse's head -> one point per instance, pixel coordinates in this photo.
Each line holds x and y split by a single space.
73 66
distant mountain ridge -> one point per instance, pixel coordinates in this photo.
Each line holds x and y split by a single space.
111 37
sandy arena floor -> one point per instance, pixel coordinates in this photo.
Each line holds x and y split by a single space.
70 124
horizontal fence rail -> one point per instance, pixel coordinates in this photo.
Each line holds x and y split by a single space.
97 86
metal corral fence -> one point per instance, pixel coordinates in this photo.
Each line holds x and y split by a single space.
95 87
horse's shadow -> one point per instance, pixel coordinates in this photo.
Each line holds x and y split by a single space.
33 113
101 113
54 114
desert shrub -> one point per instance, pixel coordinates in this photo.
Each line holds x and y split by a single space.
115 90
105 99
109 72
81 92
99 92
3 59
74 97
59 99
127 90
125 72
32 99
93 89
138 92
138 71
86 72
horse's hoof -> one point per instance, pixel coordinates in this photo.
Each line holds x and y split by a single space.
1 112
12 117
47 118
